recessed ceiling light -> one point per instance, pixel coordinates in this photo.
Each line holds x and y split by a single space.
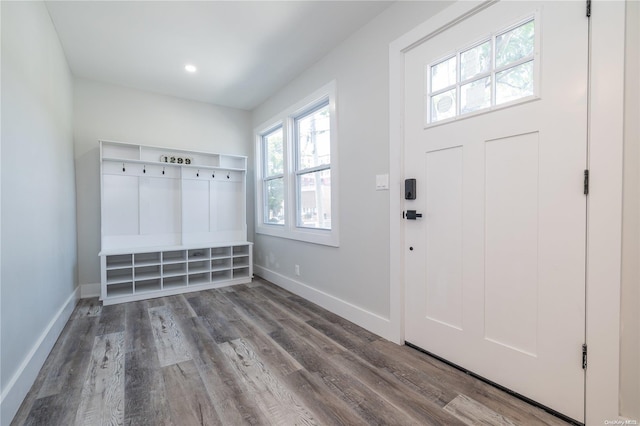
190 68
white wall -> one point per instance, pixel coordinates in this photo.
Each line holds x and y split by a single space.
630 292
103 111
354 278
38 228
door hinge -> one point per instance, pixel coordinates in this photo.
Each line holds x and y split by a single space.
584 356
586 182
588 8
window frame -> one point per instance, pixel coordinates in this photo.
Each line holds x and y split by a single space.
490 73
291 229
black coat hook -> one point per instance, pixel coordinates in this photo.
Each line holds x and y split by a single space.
123 168
163 170
144 169
198 173
228 177
213 175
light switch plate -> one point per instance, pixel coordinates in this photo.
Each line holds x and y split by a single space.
382 182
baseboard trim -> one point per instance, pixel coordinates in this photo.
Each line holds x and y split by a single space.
19 385
365 319
89 290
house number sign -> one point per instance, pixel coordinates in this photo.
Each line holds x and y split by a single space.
176 159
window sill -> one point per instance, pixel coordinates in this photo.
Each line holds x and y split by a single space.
315 236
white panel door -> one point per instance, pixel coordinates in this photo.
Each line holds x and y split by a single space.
495 267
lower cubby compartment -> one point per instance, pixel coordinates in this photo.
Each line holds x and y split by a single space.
199 267
240 261
241 250
118 261
219 264
195 279
116 275
197 254
148 285
121 289
241 272
174 269
221 275
147 258
218 252
173 256
174 282
147 272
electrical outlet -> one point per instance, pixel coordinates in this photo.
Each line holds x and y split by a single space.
297 270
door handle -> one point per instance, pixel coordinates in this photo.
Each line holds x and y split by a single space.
411 215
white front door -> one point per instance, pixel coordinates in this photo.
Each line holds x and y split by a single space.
495 121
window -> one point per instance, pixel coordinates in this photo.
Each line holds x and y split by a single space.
296 157
273 190
493 72
313 168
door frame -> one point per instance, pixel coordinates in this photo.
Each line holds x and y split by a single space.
604 203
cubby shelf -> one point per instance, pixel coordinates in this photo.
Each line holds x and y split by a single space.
172 221
174 274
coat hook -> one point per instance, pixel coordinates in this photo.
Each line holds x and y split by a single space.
163 170
228 177
144 169
123 169
198 174
213 175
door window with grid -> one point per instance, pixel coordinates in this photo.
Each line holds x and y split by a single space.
498 70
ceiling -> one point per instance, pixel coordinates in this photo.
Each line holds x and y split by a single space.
244 50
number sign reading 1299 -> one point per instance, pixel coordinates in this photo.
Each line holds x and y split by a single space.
175 159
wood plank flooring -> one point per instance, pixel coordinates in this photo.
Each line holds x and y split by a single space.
249 354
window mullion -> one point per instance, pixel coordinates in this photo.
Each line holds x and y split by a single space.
458 85
476 77
494 52
515 63
289 186
446 89
273 177
313 169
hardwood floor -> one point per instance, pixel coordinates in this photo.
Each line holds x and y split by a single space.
249 354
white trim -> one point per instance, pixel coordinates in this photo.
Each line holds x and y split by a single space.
1 389
604 210
365 319
90 290
286 118
19 385
604 204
